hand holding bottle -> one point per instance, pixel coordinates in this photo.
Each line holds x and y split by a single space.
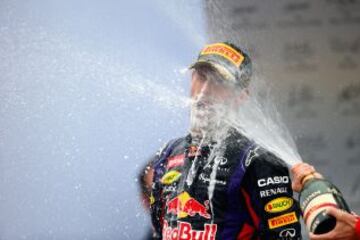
347 227
347 224
301 172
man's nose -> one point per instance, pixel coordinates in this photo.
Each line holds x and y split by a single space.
206 88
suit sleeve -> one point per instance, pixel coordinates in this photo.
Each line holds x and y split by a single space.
156 201
266 188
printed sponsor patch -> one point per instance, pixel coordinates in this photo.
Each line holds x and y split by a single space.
175 161
251 155
273 181
279 204
169 188
184 205
282 220
273 191
152 199
288 233
170 177
184 231
225 51
206 179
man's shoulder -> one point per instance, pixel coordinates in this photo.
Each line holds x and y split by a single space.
173 143
254 153
262 158
266 167
168 148
170 143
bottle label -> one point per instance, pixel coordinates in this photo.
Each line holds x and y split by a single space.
317 205
317 196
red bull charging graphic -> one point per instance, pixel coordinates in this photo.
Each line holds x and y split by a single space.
184 205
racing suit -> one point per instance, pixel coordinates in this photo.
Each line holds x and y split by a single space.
235 190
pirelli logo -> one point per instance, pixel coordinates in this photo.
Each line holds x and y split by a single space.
282 220
225 51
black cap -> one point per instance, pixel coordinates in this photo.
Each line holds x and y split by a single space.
229 60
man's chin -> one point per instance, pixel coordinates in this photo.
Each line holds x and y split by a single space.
206 130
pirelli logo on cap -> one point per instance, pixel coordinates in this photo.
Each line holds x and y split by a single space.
282 220
225 51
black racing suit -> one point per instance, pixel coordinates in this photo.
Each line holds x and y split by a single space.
234 190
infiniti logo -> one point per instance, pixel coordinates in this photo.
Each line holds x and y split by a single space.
288 232
220 160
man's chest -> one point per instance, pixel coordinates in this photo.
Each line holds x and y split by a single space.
196 181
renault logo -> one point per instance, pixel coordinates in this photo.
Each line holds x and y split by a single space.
288 233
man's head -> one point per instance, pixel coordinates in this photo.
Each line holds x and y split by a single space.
233 64
219 84
221 71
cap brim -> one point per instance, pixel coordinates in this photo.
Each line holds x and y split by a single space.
219 68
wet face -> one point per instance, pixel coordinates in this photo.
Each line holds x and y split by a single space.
209 88
207 84
212 98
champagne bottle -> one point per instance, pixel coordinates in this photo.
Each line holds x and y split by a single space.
316 196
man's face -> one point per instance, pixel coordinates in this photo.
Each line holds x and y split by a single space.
212 99
206 84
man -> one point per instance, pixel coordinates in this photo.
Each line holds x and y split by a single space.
214 183
347 225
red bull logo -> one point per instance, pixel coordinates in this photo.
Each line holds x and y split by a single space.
184 231
184 205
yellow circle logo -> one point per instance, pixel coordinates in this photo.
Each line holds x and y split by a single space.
279 205
170 177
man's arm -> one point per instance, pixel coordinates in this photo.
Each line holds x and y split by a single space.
145 179
300 171
268 185
156 201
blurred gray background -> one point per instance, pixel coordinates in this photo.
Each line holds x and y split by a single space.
90 89
309 53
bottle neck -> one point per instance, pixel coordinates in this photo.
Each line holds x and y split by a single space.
307 178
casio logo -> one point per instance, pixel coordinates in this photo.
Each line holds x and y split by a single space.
272 181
